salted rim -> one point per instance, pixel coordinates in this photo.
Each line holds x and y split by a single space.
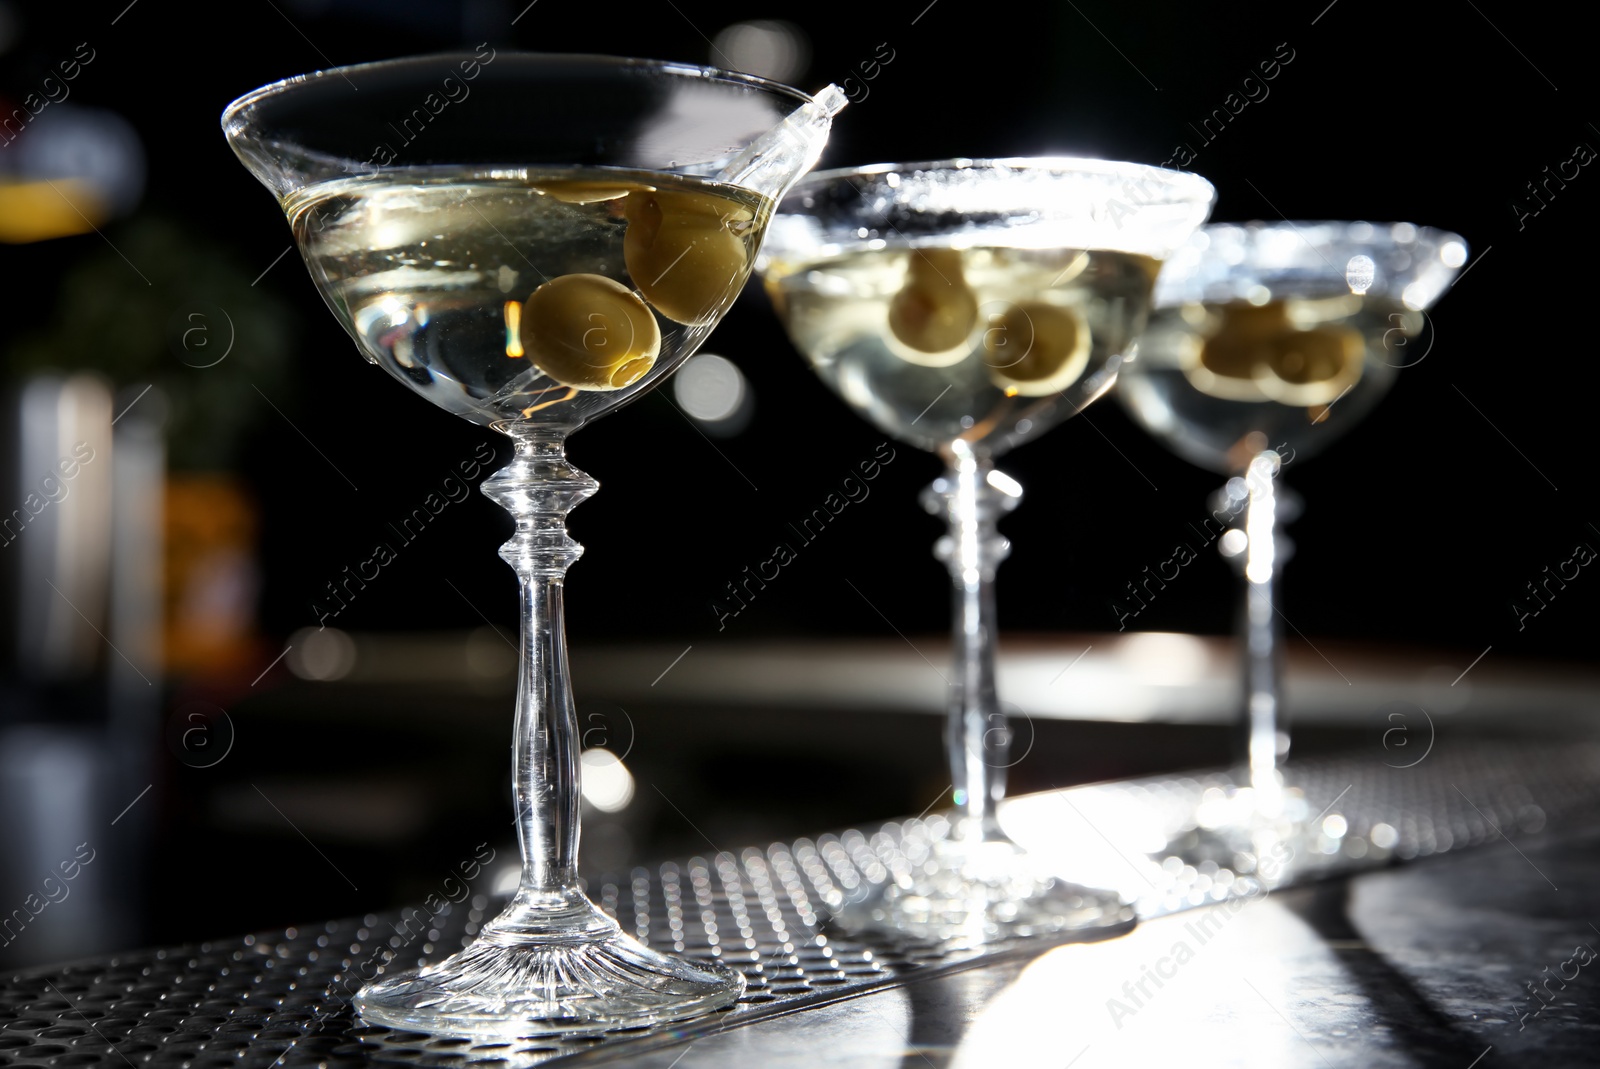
1198 186
1424 234
1187 274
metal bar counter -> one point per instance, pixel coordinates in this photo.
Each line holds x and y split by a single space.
1481 956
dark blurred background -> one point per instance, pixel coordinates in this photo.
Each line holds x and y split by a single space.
287 458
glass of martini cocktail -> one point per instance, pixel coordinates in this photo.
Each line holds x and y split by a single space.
530 241
965 307
1267 342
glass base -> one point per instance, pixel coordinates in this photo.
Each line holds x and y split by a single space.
971 893
542 971
1249 831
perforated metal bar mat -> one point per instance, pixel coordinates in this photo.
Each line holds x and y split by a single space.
282 998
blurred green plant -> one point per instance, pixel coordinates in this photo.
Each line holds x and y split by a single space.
199 330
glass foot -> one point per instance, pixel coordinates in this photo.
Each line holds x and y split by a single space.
966 894
1250 832
534 972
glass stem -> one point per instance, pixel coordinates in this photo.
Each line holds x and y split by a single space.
977 736
539 487
1265 733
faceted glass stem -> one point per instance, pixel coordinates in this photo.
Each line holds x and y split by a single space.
551 962
977 735
539 488
978 886
1266 737
1250 828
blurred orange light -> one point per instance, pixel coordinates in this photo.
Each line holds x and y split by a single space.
38 211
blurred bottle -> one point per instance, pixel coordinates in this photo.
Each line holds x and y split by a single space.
80 692
212 575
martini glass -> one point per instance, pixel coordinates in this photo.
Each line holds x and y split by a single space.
965 307
1268 342
530 241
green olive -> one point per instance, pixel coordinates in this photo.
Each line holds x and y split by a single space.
581 191
1244 339
1233 358
686 252
935 311
1034 348
1313 367
589 332
1258 354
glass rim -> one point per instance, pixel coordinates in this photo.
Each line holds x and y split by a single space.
1223 260
1199 186
598 60
1379 227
